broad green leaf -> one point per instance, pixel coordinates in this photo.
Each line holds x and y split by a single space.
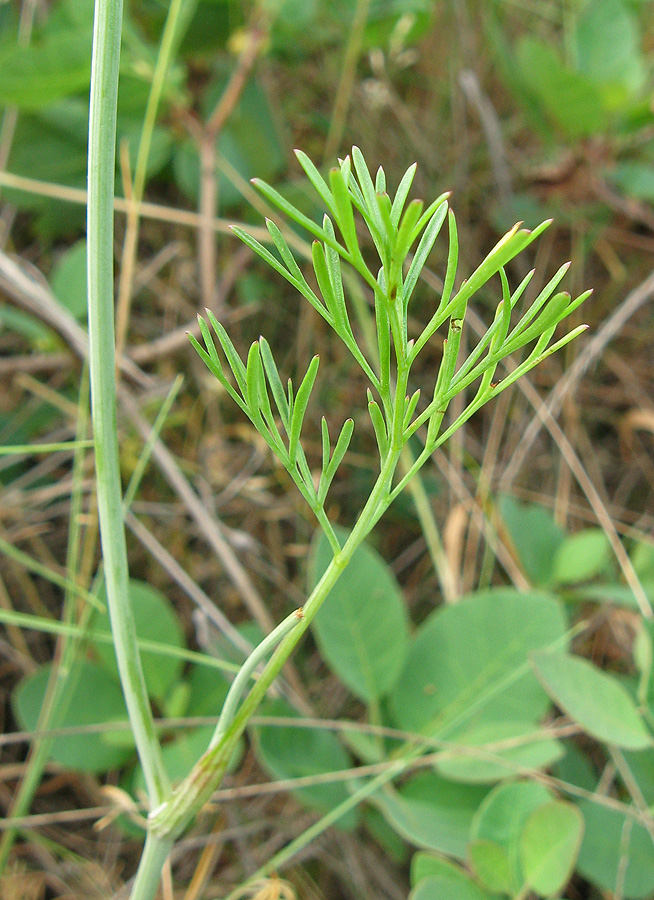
439 888
636 179
595 700
362 629
617 853
451 881
534 535
432 813
155 620
51 146
581 556
68 280
607 44
94 698
490 864
570 99
500 821
488 766
395 848
34 76
575 768
503 813
288 752
549 845
641 766
207 692
462 663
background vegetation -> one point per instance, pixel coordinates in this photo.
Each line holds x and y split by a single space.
535 519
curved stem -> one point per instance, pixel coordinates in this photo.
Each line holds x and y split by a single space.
172 817
246 671
102 361
152 861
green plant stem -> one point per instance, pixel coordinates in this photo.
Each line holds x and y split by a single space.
247 670
152 861
172 817
101 167
415 485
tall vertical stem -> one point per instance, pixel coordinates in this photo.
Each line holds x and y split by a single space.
101 167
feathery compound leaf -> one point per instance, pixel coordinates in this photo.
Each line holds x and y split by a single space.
284 250
344 213
402 193
212 361
336 280
452 260
300 407
384 207
316 180
215 370
541 299
326 450
275 382
519 291
379 426
324 283
258 404
405 238
211 347
428 213
450 355
253 380
356 194
410 408
367 187
264 400
422 253
291 211
505 250
295 277
234 360
340 450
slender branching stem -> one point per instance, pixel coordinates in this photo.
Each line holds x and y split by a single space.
102 361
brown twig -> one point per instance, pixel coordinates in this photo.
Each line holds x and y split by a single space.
207 137
154 211
34 296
